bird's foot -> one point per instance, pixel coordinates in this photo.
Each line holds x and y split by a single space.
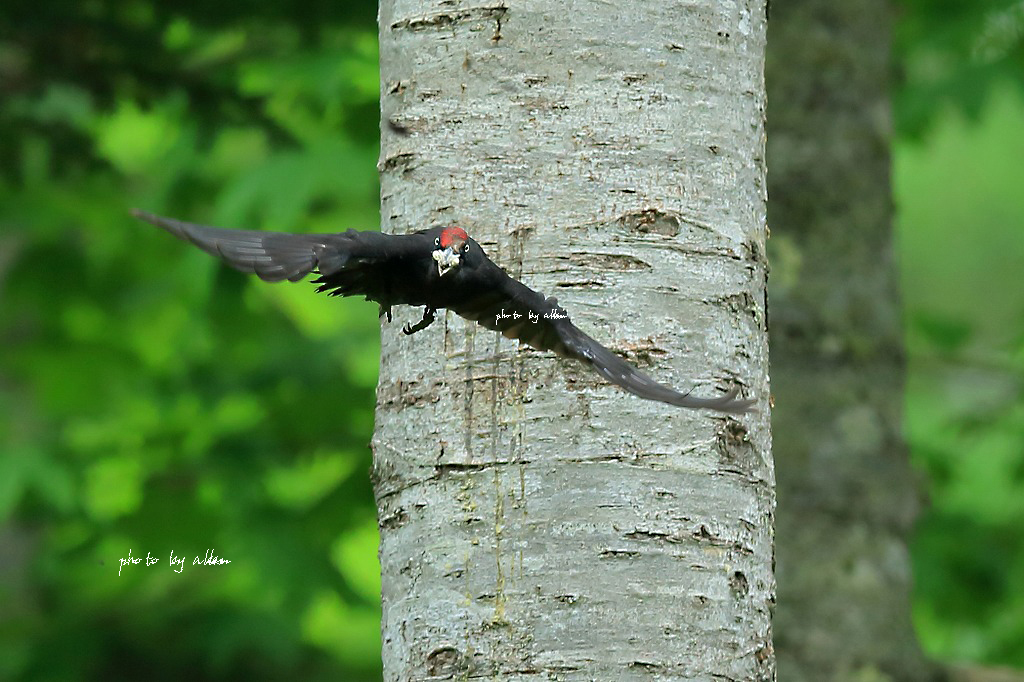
428 319
385 310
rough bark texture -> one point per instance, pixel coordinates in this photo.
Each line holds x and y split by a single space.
846 490
537 523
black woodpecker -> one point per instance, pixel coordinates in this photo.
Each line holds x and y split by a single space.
442 267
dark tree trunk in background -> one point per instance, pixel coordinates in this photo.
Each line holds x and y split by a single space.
846 490
537 523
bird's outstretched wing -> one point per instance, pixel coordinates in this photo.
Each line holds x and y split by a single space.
519 312
349 263
271 256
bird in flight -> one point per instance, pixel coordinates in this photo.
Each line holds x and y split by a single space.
438 268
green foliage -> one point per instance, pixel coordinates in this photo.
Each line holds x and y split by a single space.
962 253
152 401
952 53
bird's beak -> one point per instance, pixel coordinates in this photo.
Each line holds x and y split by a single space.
446 260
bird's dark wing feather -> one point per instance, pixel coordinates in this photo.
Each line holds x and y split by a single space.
349 263
519 312
271 256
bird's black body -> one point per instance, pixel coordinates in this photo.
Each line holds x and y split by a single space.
436 268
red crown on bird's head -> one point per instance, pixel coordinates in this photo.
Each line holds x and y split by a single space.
453 234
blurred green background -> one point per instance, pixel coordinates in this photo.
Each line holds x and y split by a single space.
153 401
958 182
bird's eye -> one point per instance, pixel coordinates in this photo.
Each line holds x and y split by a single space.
465 248
437 241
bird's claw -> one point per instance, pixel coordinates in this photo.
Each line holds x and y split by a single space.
428 318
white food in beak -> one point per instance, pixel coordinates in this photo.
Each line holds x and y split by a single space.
446 260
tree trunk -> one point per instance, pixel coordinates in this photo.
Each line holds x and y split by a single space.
847 492
537 523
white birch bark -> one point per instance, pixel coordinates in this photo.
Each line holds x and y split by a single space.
537 523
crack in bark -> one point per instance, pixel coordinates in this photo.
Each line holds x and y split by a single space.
401 161
657 536
408 393
710 252
584 284
741 302
446 662
611 553
702 534
451 467
395 519
651 221
602 262
440 20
